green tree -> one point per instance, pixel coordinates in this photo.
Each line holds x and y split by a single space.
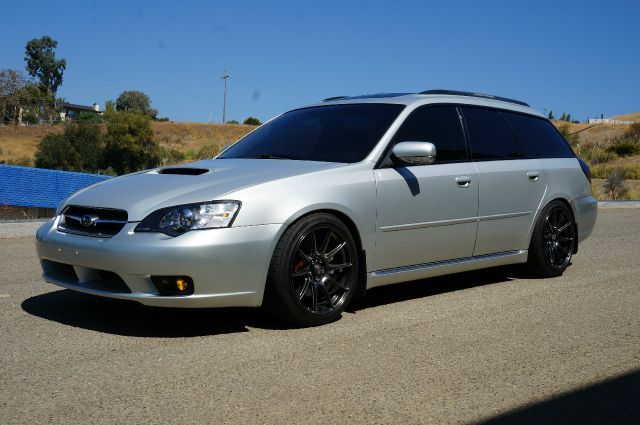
42 64
130 144
252 121
12 86
79 148
135 101
551 117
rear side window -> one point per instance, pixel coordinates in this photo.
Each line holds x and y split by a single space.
489 135
439 125
538 137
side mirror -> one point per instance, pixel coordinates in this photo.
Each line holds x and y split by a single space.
414 153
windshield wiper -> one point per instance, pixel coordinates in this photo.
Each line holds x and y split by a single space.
268 156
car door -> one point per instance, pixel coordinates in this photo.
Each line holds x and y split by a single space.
511 186
427 213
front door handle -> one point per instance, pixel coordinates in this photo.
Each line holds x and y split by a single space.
534 176
463 181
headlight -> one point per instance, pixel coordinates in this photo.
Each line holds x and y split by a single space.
175 221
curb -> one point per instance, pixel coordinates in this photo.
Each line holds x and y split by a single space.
605 205
19 228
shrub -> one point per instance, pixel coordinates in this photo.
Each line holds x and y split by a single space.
77 148
89 117
232 122
56 152
129 144
625 147
86 139
208 151
633 132
594 154
171 156
252 121
615 185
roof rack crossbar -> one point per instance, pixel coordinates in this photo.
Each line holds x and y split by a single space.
471 94
329 99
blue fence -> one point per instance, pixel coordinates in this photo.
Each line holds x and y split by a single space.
40 188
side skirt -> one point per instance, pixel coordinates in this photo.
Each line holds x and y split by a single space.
438 268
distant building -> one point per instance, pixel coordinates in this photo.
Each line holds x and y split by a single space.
609 121
71 111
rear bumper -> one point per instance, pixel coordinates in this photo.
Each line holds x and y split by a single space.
228 266
586 212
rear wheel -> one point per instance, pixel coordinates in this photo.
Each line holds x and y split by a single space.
553 241
313 271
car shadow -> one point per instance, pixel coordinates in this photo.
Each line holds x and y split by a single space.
129 318
614 401
400 292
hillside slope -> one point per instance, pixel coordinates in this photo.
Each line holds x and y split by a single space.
19 144
634 116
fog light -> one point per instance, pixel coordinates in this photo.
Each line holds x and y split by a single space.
181 284
173 285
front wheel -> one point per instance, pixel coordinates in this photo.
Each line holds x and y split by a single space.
313 272
553 241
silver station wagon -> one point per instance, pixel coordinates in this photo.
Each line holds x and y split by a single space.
324 202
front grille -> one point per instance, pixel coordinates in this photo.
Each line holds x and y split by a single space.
89 221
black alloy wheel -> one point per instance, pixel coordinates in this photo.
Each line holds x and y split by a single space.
553 242
313 272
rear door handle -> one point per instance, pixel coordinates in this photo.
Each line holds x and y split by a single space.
534 176
463 181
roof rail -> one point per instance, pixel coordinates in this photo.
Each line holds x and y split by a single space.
471 94
329 99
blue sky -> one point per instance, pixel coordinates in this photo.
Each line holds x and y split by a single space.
580 57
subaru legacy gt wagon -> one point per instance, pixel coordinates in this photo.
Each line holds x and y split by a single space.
326 201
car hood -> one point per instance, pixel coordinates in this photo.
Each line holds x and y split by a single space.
144 192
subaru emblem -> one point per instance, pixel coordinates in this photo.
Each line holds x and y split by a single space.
88 220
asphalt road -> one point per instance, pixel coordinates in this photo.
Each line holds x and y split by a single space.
482 346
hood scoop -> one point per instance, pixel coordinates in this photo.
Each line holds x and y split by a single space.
184 171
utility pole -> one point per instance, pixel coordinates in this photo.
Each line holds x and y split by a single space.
225 76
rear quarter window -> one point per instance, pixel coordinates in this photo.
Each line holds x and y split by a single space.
538 137
489 135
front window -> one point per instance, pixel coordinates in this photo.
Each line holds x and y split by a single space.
334 133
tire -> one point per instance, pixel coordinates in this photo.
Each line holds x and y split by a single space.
553 241
313 271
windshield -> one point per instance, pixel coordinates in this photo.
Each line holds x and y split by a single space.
335 133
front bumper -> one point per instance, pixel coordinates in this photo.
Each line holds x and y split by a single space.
228 266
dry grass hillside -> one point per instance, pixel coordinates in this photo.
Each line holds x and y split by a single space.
634 116
18 144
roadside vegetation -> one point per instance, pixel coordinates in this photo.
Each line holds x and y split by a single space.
613 153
